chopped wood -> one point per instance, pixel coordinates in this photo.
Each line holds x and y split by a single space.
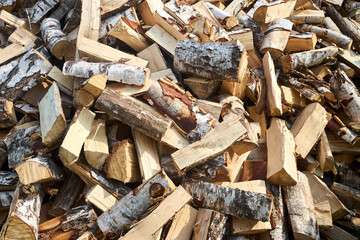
100 198
182 224
324 154
160 36
147 10
301 42
155 57
40 9
307 16
265 12
7 114
202 87
90 20
323 215
95 84
349 196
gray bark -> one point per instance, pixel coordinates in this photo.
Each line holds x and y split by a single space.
40 9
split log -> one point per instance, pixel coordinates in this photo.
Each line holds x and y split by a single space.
90 20
323 215
110 6
308 163
23 218
20 142
155 58
12 20
307 16
166 210
75 137
7 113
320 86
95 84
83 99
147 10
87 236
253 169
39 170
170 25
227 20
122 163
346 25
328 35
115 71
245 35
227 62
8 180
281 166
301 209
52 118
160 36
140 116
67 196
225 133
128 35
349 196
308 127
209 225
324 154
348 70
337 233
348 95
184 13
231 201
100 198
19 76
202 87
307 59
321 192
40 9
301 42
73 18
265 12
305 90
213 108
276 37
350 58
66 82
134 205
183 223
56 41
63 9
70 225
147 154
292 98
96 147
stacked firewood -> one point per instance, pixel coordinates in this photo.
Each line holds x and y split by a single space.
179 119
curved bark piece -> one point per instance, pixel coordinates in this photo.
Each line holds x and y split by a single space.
7 113
348 95
56 41
342 131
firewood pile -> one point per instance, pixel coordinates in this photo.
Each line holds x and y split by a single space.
179 119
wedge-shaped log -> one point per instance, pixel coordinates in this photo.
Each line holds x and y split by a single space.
19 76
265 12
75 137
39 170
115 71
122 163
216 141
95 84
202 87
164 39
209 225
308 127
166 210
301 209
132 206
226 62
231 201
307 59
100 198
348 95
23 218
96 147
56 41
52 118
140 116
281 161
7 113
301 42
272 87
324 154
323 215
349 196
183 223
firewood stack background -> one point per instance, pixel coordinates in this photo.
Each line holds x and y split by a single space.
180 119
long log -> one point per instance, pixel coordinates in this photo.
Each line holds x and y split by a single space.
115 71
56 41
348 95
301 209
40 9
135 204
229 200
226 62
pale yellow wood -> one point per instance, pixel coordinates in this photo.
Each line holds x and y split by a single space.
202 87
170 24
173 138
292 97
148 157
147 10
95 84
90 20
201 7
16 49
83 98
268 12
96 146
75 137
298 43
100 198
155 58
164 73
308 127
12 20
20 34
130 90
167 209
323 214
57 75
182 224
245 36
210 107
107 6
260 118
163 38
201 227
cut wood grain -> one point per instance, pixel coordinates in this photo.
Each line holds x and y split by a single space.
182 224
90 20
323 215
55 39
202 87
100 198
349 196
160 36
301 42
147 10
155 57
7 113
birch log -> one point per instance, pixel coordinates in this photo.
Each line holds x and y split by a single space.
211 60
23 219
7 5
40 9
342 131
19 76
308 58
231 201
348 95
63 9
328 35
7 113
300 205
116 71
280 230
135 204
8 180
56 41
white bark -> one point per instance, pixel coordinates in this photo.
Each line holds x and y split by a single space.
40 9
116 71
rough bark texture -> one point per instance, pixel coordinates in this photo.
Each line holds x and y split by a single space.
73 17
304 89
209 60
40 9
19 76
348 95
257 32
63 9
116 71
8 180
5 199
301 209
230 201
135 204
342 131
346 26
55 39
